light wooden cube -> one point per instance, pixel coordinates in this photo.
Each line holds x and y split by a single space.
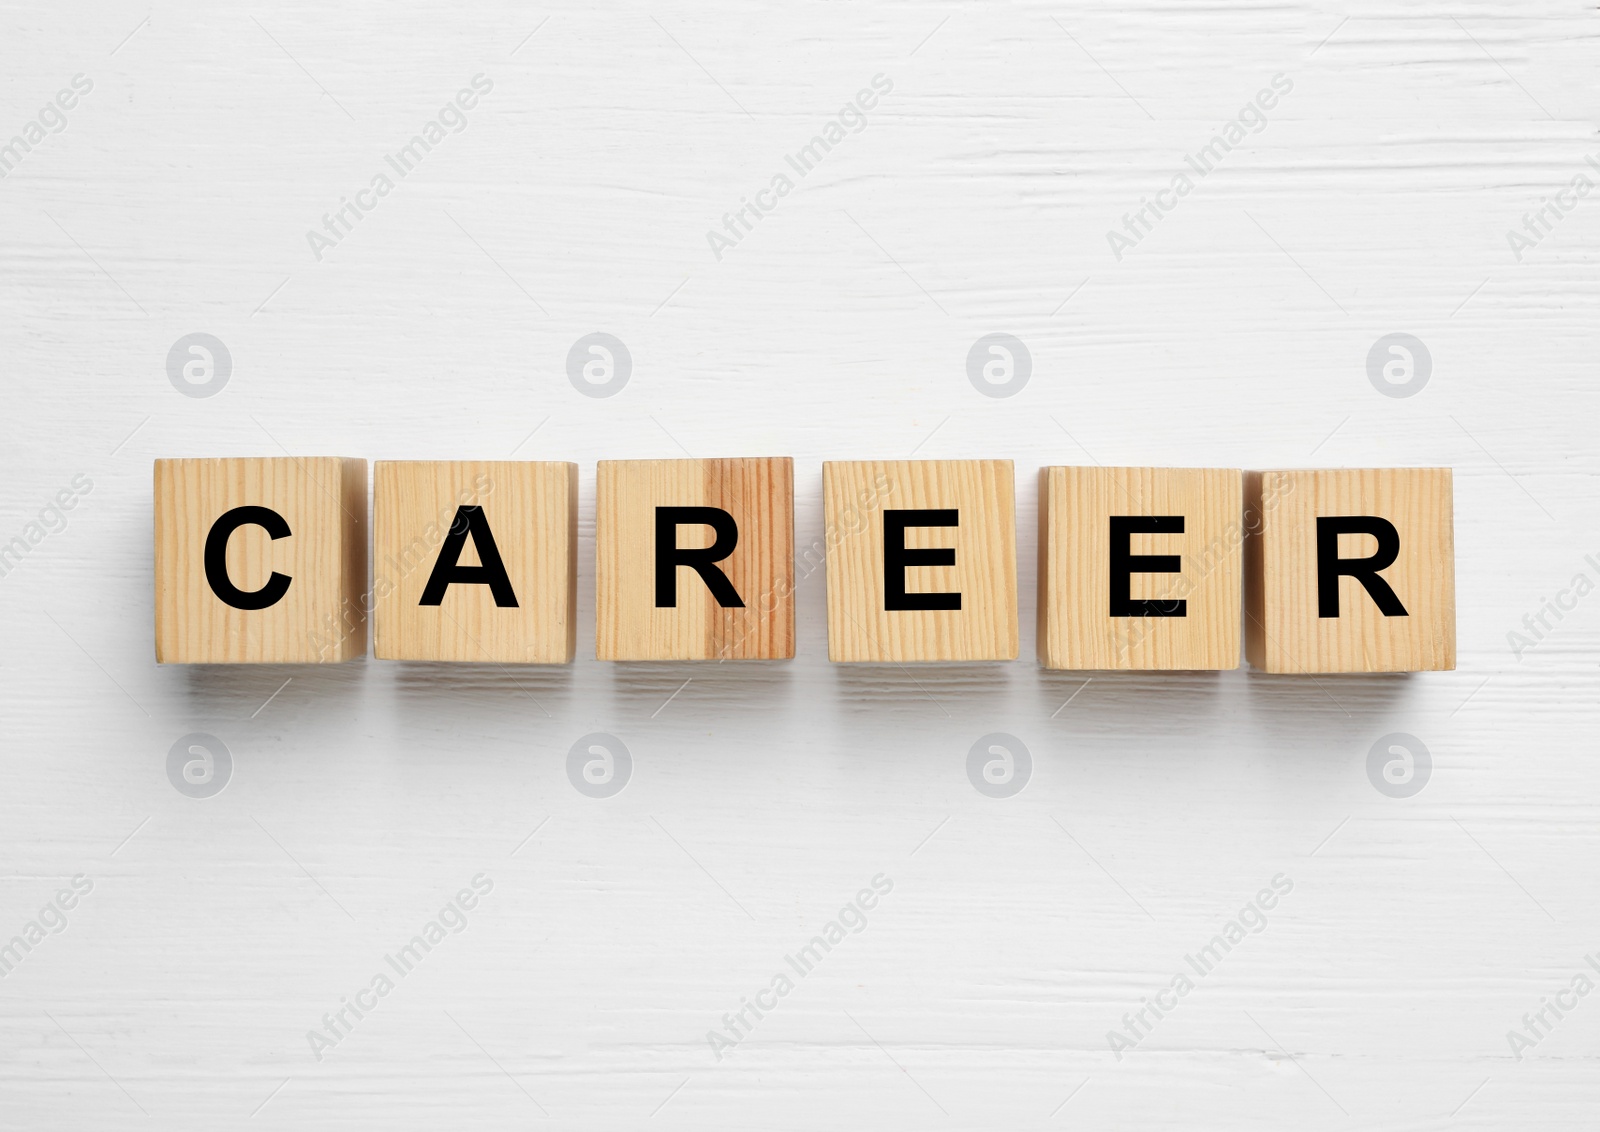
649 608
475 561
1307 615
1140 568
279 582
966 551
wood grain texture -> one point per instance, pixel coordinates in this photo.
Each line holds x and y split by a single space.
1076 629
531 510
759 494
856 494
320 618
1284 631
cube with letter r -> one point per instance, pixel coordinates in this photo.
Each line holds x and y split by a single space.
694 559
1350 570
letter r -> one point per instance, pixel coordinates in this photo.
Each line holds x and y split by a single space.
669 555
1330 567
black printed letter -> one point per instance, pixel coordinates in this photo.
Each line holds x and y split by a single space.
1124 563
669 555
1364 570
217 557
896 558
447 571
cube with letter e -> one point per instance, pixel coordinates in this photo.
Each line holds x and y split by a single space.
1140 568
921 560
1350 570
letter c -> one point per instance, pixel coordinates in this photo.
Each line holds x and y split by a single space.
764 1004
216 557
363 205
363 1004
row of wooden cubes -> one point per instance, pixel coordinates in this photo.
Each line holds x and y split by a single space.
265 560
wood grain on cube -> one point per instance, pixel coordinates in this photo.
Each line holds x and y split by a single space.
530 511
1284 631
1077 628
758 492
320 618
856 494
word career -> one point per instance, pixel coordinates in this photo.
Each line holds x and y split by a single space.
265 560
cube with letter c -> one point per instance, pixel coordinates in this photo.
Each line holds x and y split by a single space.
1140 568
921 560
260 560
1350 570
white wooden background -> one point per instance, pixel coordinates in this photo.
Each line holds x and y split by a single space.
1376 200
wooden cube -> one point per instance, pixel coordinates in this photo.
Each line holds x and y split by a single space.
1140 568
475 561
921 560
260 560
1351 570
694 559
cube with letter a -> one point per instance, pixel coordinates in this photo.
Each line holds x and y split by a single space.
260 560
1350 570
694 559
921 560
1140 568
475 561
